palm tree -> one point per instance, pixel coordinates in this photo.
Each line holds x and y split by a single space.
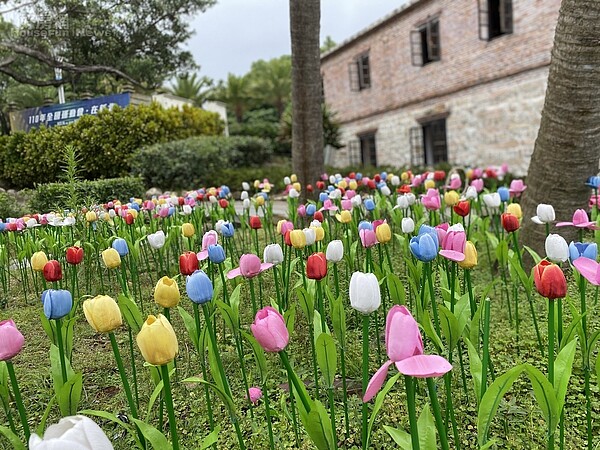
236 94
567 147
192 87
272 82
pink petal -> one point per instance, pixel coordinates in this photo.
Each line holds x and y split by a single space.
589 269
452 255
376 381
233 273
202 255
424 366
565 224
265 266
402 336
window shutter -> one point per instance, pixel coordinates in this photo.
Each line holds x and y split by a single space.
353 152
416 54
433 40
364 72
416 146
439 143
506 16
353 72
484 19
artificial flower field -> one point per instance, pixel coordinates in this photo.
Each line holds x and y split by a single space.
391 311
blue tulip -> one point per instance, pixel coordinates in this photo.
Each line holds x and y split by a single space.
593 182
120 245
381 184
135 206
323 196
199 288
424 247
227 229
369 204
171 211
365 225
358 176
504 193
225 190
57 303
311 210
216 254
331 188
383 175
2 226
264 195
586 249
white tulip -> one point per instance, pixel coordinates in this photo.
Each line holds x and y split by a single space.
395 180
335 194
244 195
68 222
293 193
335 251
31 223
316 223
286 180
111 213
246 203
273 254
471 193
411 198
365 295
219 226
186 210
492 200
408 225
332 179
310 236
72 433
157 240
212 199
356 201
557 248
545 214
385 190
245 186
402 202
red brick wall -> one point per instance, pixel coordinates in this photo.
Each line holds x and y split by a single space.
465 59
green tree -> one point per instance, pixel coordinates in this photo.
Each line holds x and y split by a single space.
271 82
192 87
328 44
236 93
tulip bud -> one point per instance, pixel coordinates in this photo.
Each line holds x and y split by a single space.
273 254
78 432
157 341
298 239
254 395
102 313
557 248
255 223
166 292
199 288
451 198
157 240
316 266
11 340
510 222
515 210
344 216
52 271
408 225
545 214
91 216
120 245
492 200
470 260
57 303
319 231
269 330
365 295
187 230
74 255
111 258
38 261
216 254
462 208
188 263
549 280
309 235
383 233
335 251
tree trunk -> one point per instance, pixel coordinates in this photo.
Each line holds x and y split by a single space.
567 148
307 119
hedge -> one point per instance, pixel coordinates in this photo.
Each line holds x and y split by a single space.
53 196
104 142
198 161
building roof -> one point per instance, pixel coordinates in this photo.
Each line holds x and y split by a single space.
411 4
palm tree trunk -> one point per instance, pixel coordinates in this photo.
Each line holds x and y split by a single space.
567 148
307 120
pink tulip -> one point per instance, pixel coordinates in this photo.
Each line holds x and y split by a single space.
209 238
347 204
453 245
285 227
11 340
477 173
269 330
163 212
404 347
455 182
516 188
302 211
250 266
594 200
477 184
254 394
350 193
589 269
416 181
441 230
328 206
368 238
580 220
432 200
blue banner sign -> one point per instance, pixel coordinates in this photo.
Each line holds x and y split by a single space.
55 115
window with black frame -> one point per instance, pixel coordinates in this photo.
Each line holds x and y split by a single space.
425 43
495 18
368 149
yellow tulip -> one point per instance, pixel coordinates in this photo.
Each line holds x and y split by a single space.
260 200
515 210
293 178
38 261
102 313
298 239
256 184
111 258
404 176
266 187
297 186
470 260
383 233
133 212
342 184
353 185
91 216
319 233
166 292
429 184
188 230
157 341
451 198
345 216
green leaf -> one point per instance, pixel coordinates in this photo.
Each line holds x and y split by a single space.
318 427
190 326
211 439
112 418
131 313
4 395
491 401
153 436
379 403
543 392
400 437
475 368
326 358
155 393
536 258
226 398
563 366
338 319
227 314
55 368
259 355
290 318
502 252
449 325
430 332
307 304
12 438
526 281
48 328
42 426
396 289
234 302
426 427
69 395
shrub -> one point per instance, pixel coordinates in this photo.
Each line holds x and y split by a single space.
104 142
51 196
9 207
198 161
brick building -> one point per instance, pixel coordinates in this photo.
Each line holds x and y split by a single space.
461 81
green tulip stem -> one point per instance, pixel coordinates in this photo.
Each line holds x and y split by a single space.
277 290
9 416
252 296
133 369
18 399
336 280
439 421
225 293
211 424
169 401
550 363
586 362
320 304
472 305
302 271
486 340
268 416
295 381
409 383
61 350
365 379
344 389
436 320
124 279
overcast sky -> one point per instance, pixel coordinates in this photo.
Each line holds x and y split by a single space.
234 33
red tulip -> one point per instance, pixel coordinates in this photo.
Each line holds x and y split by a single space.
510 222
371 184
52 271
74 255
318 216
462 208
188 263
309 188
316 266
404 189
255 223
377 178
439 175
223 203
549 280
287 239
129 219
181 201
320 185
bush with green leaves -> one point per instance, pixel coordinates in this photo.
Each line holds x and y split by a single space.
104 143
9 207
198 161
56 196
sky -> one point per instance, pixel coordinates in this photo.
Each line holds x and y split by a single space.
234 33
